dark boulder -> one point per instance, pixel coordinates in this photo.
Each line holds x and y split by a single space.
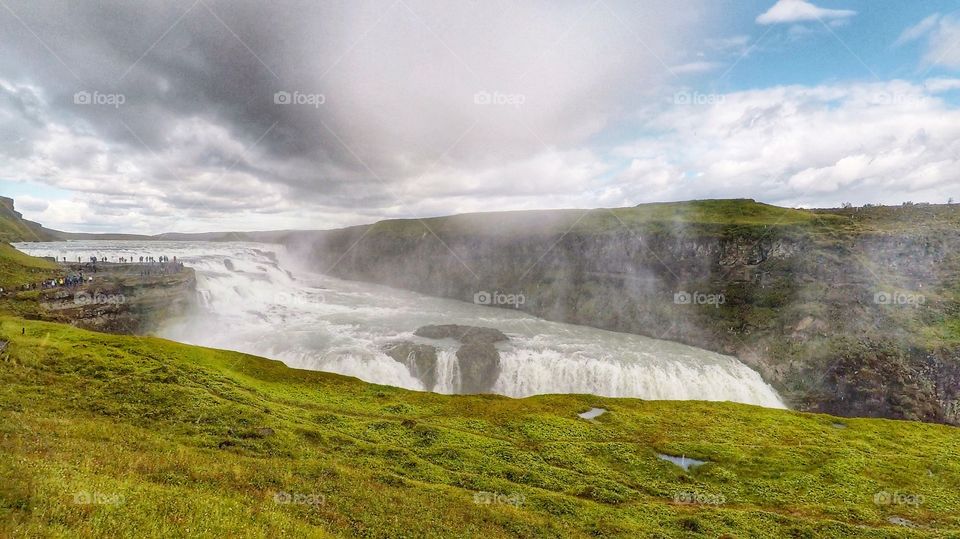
479 367
420 360
464 334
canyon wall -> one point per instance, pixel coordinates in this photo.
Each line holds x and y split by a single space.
828 311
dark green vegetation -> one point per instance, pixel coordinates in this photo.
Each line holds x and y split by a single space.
851 311
169 440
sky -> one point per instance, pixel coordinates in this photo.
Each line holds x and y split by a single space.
209 115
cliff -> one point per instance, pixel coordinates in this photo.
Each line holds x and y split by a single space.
851 312
121 298
13 227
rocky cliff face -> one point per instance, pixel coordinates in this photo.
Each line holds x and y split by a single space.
827 311
121 299
13 227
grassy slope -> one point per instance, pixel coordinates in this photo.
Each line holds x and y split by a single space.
14 228
170 431
17 268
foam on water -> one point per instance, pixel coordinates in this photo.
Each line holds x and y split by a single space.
256 299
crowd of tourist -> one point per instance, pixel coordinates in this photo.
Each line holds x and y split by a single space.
149 265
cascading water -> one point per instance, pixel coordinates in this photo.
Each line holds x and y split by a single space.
255 300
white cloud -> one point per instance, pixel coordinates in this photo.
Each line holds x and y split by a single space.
940 38
191 143
943 44
793 11
918 30
696 67
937 86
804 145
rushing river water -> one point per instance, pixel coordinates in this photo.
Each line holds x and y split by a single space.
255 298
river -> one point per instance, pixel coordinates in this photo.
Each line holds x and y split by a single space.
258 299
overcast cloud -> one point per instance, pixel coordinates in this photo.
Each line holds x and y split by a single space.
160 116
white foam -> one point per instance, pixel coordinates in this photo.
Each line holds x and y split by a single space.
255 300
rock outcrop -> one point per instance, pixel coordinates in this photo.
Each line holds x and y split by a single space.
478 360
420 360
464 334
120 299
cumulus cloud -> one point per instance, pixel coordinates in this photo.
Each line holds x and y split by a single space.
804 145
794 11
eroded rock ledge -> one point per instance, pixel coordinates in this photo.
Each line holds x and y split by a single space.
121 298
478 360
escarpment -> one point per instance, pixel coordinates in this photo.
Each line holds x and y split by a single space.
821 304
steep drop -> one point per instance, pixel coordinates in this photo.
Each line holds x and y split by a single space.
256 300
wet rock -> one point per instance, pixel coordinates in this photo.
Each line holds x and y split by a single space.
464 334
420 360
479 367
477 358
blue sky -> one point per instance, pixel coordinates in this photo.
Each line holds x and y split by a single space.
863 47
434 108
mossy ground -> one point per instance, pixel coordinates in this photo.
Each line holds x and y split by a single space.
171 440
116 436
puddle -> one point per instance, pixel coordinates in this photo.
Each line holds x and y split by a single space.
592 413
900 521
684 462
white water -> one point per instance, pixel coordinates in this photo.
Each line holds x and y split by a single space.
256 299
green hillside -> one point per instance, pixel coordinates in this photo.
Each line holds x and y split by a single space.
166 440
13 227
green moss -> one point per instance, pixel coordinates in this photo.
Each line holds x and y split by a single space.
170 437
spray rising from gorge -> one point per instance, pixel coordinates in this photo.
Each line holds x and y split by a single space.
256 298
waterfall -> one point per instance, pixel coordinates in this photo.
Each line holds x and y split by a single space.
256 299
